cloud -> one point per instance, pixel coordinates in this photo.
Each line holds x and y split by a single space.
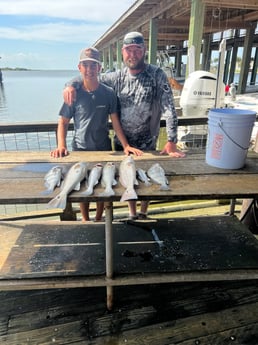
49 34
55 32
80 10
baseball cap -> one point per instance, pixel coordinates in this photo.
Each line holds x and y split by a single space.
90 54
133 39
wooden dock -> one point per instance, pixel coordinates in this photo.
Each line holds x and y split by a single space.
222 311
217 313
204 276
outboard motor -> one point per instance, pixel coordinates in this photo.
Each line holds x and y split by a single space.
199 93
198 96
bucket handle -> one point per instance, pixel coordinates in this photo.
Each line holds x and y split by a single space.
229 137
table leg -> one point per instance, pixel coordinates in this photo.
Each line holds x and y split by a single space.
109 251
68 213
232 207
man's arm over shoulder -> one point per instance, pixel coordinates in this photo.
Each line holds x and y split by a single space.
69 92
75 82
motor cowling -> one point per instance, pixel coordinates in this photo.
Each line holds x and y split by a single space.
199 94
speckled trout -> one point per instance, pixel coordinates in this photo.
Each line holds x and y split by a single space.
108 179
93 179
52 179
127 177
72 181
157 175
142 176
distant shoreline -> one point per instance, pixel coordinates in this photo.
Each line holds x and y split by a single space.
15 69
19 69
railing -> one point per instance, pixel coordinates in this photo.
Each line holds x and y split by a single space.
40 136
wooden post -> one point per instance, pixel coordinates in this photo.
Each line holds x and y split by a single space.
152 55
109 251
68 213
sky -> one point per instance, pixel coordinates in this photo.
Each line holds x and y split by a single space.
49 34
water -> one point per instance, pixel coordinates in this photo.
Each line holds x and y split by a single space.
32 96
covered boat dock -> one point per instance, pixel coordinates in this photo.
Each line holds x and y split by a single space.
171 27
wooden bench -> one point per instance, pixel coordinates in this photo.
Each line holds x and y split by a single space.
66 254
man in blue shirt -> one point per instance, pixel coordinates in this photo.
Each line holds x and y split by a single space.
90 112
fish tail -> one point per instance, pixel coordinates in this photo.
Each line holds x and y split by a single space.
58 202
129 194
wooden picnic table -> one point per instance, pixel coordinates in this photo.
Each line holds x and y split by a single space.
21 182
22 173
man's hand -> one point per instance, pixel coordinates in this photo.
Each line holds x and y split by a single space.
59 152
69 95
129 149
172 150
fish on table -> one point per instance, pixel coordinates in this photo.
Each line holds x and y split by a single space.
108 179
72 181
127 177
93 179
142 176
52 179
157 175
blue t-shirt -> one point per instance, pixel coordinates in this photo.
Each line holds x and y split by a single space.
90 113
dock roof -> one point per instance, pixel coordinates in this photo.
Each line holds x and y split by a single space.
173 20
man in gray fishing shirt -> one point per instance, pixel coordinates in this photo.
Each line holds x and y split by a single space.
144 96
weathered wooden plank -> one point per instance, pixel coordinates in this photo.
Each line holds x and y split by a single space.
237 324
190 165
215 328
4 324
62 334
186 246
31 214
159 307
28 190
30 157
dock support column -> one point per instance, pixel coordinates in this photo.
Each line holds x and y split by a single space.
119 55
196 31
109 251
249 38
153 34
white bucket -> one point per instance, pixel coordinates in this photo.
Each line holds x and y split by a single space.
229 133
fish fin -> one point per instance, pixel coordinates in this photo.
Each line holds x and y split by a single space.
46 192
107 192
129 194
77 186
164 187
58 202
88 191
95 184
